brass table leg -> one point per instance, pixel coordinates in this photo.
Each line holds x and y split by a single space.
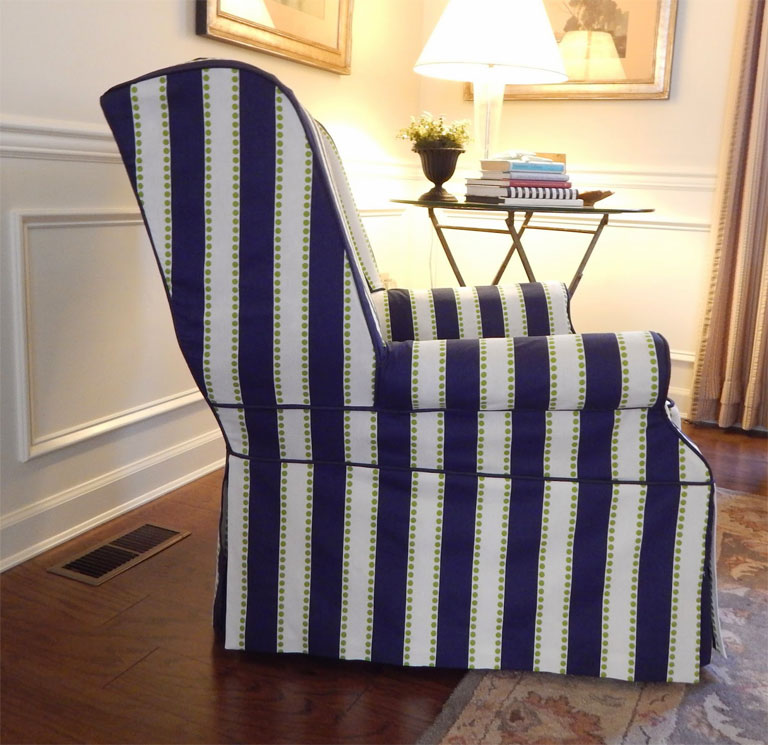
445 246
516 246
580 271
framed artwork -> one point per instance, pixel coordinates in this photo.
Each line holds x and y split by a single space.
610 49
315 32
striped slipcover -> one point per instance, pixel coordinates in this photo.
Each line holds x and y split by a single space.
439 477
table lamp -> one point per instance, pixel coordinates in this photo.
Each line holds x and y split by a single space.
492 43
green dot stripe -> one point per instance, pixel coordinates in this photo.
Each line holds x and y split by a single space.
478 312
384 313
304 307
282 561
581 371
512 295
552 372
473 609
371 586
208 330
484 386
550 306
460 314
509 343
422 483
166 259
245 501
347 203
346 563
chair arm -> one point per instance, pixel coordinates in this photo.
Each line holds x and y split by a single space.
529 309
562 372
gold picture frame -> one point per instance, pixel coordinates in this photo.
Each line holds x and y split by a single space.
314 32
643 32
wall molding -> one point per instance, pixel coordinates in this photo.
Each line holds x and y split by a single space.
27 529
30 443
23 137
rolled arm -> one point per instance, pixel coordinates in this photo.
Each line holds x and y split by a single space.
558 372
528 309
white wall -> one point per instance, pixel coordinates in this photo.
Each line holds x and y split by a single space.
98 413
97 410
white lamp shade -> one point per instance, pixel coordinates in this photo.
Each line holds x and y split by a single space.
511 39
591 56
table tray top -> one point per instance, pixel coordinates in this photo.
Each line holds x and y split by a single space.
516 208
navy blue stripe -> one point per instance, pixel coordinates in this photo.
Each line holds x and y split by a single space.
326 301
257 195
595 435
446 313
654 596
263 555
603 366
457 548
462 374
185 109
460 441
400 315
263 440
585 620
393 377
116 105
491 311
393 523
521 577
328 497
531 373
707 631
536 309
527 450
394 439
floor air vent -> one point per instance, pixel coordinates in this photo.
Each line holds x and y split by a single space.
98 564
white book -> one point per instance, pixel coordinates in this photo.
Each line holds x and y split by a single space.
533 203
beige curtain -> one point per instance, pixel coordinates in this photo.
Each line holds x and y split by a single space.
731 374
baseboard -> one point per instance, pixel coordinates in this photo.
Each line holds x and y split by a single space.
32 530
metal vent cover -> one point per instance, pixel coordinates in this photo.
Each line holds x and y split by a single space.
100 563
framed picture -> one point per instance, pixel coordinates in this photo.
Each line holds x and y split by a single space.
610 49
315 32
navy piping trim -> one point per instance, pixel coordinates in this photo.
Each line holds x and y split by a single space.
513 477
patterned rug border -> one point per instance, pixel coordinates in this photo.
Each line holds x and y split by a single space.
452 708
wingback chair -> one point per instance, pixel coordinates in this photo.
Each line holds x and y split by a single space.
439 477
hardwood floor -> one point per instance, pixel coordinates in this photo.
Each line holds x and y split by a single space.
135 660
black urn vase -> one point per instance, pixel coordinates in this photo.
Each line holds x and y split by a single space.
438 164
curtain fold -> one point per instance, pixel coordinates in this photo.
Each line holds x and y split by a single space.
731 373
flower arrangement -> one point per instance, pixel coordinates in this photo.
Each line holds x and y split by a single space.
428 133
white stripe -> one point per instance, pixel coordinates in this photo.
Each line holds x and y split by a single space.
423 309
493 453
689 564
296 434
221 232
359 557
491 525
618 656
515 319
470 326
427 431
238 498
555 585
359 356
360 434
427 367
151 179
497 384
629 430
292 385
559 308
564 363
233 423
420 641
381 306
294 571
641 361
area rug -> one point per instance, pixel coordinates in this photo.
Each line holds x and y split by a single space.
729 705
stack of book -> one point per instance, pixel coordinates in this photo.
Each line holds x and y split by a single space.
523 180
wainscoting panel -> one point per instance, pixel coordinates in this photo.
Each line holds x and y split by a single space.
96 335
